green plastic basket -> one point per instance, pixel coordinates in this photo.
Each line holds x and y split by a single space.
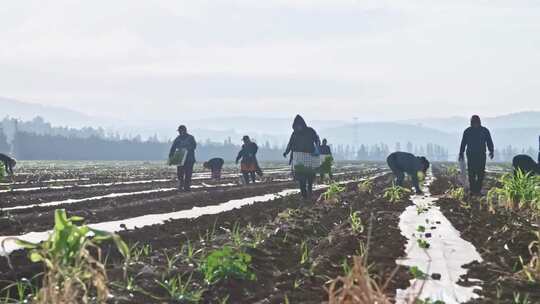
178 158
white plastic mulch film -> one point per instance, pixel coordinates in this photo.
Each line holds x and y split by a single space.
444 258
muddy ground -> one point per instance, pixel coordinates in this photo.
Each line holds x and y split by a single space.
500 238
281 226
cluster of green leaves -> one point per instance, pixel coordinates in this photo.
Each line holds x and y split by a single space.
356 222
2 172
25 289
333 191
520 190
452 171
176 158
417 273
181 290
421 228
226 263
326 165
366 186
71 270
457 193
531 270
423 243
395 193
520 299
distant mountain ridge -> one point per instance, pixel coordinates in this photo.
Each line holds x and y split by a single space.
518 129
55 115
527 119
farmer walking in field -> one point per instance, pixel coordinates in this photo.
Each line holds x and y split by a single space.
248 155
326 152
215 165
403 162
304 145
182 154
474 142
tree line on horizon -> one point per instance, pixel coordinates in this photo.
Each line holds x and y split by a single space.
38 140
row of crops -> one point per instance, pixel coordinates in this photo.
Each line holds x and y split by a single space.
347 245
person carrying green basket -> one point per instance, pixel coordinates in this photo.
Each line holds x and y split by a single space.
305 161
182 155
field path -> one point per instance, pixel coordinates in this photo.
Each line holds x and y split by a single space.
442 261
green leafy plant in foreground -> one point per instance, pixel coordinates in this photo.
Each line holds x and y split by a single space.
422 243
421 228
226 263
333 191
531 270
417 273
304 256
366 186
457 193
395 193
326 165
180 290
452 171
356 222
71 271
520 190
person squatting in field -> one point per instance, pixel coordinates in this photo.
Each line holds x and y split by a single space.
186 142
248 155
474 142
403 162
9 163
325 152
215 165
304 148
526 164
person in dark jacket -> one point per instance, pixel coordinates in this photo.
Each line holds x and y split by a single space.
474 142
304 148
403 162
9 163
325 152
248 155
215 165
184 171
526 164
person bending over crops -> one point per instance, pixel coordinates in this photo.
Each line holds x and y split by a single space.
403 162
304 148
325 153
9 163
474 142
183 151
526 164
215 165
248 155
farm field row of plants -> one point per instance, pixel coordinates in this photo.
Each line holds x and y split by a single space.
340 247
43 218
280 251
503 226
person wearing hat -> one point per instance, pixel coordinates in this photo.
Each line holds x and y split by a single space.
248 155
186 142
474 142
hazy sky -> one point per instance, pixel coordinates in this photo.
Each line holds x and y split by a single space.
326 58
